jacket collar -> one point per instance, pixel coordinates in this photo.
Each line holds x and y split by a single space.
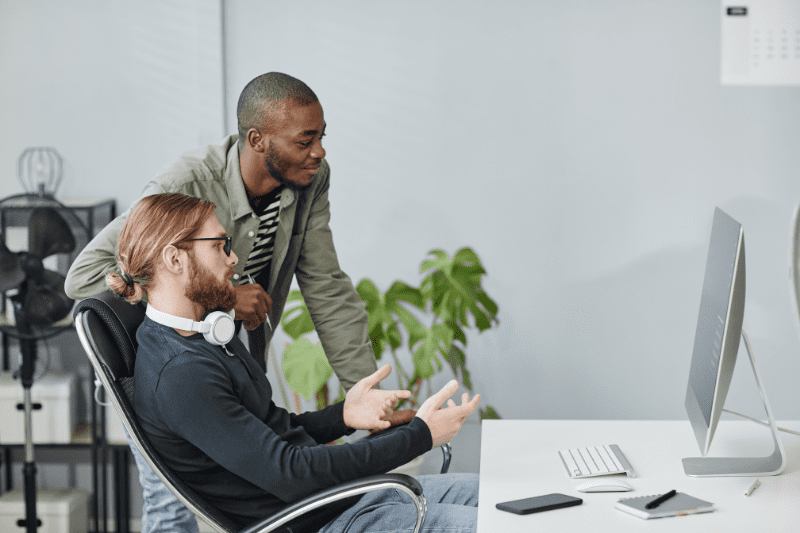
237 196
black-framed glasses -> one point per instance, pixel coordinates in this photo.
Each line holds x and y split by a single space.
226 248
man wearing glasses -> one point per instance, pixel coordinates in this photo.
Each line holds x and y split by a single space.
270 187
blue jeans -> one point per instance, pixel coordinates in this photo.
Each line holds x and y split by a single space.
161 512
452 507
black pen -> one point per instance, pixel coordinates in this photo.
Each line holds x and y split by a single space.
661 499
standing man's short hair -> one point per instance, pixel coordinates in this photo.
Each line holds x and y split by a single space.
157 221
263 95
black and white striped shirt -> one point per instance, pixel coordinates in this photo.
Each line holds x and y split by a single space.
266 208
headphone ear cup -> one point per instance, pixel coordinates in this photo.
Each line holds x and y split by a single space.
222 328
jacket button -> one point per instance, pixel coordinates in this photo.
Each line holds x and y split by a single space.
250 233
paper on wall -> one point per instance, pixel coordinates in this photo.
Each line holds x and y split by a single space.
761 42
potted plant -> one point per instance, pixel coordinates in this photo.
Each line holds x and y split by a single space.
428 321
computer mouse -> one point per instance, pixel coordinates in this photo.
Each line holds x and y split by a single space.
606 485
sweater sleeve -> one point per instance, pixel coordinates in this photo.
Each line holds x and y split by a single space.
210 416
324 425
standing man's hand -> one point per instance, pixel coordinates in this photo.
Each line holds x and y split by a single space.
444 423
252 304
369 408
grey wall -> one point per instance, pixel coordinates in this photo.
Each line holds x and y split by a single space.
579 147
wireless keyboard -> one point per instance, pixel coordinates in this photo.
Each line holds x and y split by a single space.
596 461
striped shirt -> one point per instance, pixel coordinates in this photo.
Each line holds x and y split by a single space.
266 208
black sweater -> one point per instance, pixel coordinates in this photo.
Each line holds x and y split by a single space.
211 417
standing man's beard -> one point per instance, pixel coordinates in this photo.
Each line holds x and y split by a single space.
207 291
277 167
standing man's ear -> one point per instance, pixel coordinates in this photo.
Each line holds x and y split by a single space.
257 141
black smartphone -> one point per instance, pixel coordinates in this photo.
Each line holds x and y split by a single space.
538 504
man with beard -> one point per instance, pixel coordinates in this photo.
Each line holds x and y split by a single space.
206 406
270 187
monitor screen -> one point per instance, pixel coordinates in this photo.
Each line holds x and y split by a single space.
719 327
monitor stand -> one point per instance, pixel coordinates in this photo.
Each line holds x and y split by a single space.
742 466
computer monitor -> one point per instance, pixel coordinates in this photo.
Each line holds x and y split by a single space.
716 345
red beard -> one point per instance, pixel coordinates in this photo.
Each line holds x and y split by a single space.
209 292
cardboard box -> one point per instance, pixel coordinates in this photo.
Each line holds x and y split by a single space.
115 431
53 423
60 511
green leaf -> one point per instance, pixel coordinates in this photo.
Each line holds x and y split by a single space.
385 313
306 368
488 413
436 343
453 287
296 320
458 362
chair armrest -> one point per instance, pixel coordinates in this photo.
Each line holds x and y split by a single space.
403 482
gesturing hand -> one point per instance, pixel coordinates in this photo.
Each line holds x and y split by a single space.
368 408
252 304
444 423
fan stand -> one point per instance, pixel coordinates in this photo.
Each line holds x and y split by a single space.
28 349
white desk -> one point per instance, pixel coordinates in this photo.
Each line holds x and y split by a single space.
519 459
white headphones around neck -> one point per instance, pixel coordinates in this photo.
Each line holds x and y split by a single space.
217 328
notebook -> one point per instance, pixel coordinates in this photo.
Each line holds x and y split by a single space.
679 505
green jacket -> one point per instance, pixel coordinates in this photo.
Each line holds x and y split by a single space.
212 173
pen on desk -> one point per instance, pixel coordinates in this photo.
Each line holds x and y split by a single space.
661 499
250 278
753 487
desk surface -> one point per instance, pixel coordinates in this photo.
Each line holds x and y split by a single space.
519 459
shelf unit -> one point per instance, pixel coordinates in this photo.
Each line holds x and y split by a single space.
95 214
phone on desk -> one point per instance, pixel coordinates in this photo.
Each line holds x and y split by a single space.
538 504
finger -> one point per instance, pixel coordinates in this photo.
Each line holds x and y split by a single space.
464 398
445 392
378 375
402 394
475 401
451 403
434 402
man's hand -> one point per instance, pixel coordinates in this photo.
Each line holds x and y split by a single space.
368 408
398 418
445 423
252 304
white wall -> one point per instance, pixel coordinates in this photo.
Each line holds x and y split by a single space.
580 148
118 88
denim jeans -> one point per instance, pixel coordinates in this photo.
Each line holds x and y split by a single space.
161 512
452 507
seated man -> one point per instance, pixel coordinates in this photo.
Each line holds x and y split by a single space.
206 406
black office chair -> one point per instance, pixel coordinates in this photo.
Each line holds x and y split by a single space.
107 329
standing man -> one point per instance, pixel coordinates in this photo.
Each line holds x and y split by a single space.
270 188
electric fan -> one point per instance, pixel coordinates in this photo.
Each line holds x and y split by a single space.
36 306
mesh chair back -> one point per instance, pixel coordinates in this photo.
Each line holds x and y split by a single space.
107 327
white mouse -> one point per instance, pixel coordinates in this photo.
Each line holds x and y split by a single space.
606 485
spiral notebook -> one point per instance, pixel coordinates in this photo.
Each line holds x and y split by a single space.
679 505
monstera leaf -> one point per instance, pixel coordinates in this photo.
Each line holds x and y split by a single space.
453 287
385 313
296 320
435 343
306 368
